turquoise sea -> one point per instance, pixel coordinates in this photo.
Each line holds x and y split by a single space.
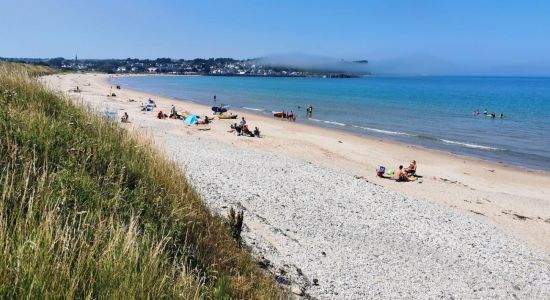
434 112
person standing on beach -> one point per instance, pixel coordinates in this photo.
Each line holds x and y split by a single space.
243 122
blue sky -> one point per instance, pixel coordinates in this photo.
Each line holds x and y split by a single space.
484 33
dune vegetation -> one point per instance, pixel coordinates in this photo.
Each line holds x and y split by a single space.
90 210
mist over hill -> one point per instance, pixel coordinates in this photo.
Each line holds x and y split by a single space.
315 63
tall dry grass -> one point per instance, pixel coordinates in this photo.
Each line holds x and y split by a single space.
89 211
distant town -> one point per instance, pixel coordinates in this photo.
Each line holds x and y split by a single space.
198 66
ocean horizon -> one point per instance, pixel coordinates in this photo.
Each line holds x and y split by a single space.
430 111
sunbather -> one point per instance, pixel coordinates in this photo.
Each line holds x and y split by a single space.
400 174
411 170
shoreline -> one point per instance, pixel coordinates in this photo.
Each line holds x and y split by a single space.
244 111
513 199
510 157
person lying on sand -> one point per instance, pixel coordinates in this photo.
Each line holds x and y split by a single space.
411 170
400 174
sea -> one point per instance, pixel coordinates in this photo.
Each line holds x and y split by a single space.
432 112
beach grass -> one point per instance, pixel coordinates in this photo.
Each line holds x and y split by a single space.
90 210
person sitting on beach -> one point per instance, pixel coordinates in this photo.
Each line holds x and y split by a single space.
206 120
400 174
161 115
173 113
256 132
411 170
124 118
237 128
243 122
152 102
247 131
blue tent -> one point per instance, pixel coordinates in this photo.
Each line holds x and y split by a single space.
190 120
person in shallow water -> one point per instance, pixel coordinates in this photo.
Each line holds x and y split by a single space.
309 110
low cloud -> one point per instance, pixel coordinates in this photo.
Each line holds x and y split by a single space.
314 63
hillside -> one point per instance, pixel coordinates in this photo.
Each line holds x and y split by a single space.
89 210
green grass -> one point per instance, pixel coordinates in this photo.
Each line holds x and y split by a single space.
88 210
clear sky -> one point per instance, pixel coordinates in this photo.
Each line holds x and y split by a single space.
477 32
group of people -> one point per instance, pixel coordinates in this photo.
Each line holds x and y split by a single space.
400 174
242 129
493 115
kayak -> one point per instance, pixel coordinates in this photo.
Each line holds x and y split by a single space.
222 116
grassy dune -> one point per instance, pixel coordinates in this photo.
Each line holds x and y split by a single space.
88 210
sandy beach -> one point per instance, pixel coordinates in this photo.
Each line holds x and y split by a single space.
319 218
